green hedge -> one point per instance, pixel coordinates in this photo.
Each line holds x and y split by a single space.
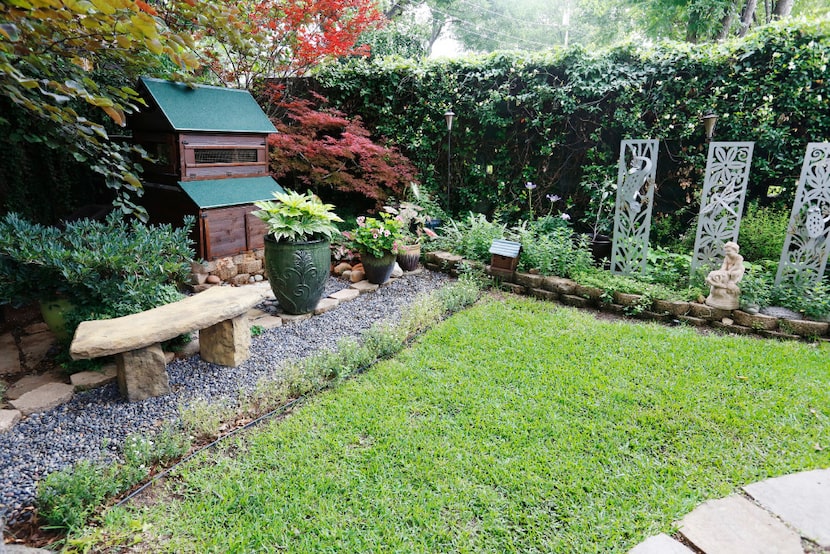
556 118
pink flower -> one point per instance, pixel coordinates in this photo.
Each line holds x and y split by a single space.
361 221
347 234
430 233
374 233
386 233
566 217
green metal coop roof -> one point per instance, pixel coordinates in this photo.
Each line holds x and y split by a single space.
206 108
230 192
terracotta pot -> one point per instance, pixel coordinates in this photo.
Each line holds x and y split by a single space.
377 270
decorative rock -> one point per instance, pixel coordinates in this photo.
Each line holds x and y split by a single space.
445 260
240 279
779 312
660 544
141 373
169 357
325 305
213 280
201 288
226 343
34 328
210 266
9 355
514 288
574 300
355 276
559 284
397 272
416 271
31 382
267 321
543 294
199 278
341 267
43 398
364 286
191 348
674 307
726 321
292 318
249 266
345 295
755 321
807 328
693 321
358 267
7 420
704 311
35 347
258 278
801 499
734 524
732 328
626 299
85 380
529 280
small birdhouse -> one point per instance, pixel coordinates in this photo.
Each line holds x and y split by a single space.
210 160
505 254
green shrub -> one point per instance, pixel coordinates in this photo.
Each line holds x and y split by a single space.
809 299
471 237
106 268
762 234
551 249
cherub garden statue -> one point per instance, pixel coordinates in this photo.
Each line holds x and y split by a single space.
723 283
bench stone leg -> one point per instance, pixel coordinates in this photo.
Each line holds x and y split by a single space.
142 373
227 343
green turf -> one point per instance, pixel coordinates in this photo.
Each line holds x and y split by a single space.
516 426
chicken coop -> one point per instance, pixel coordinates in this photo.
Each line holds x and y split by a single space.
209 159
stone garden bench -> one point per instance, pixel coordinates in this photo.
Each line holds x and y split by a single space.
219 313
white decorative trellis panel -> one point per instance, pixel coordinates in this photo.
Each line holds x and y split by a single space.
804 256
635 197
722 202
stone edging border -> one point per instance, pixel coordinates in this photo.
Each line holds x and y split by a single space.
571 293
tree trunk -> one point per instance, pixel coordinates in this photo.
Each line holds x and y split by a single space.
437 27
782 9
726 22
748 16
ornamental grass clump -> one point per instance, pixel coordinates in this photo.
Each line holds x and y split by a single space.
377 236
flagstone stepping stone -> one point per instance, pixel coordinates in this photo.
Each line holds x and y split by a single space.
85 380
43 398
9 355
660 544
7 420
31 382
734 524
345 295
801 500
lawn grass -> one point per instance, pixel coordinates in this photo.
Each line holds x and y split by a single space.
515 426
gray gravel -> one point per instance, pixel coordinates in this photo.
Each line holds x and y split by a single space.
94 424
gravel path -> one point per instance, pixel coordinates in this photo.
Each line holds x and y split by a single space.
94 424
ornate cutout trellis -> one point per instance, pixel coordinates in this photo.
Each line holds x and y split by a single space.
635 198
722 202
804 256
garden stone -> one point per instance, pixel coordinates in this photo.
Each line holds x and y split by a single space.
344 295
755 321
85 380
514 288
227 342
807 328
31 382
397 272
213 280
355 276
673 307
266 321
575 301
779 312
444 260
559 284
43 398
341 267
660 544
292 318
801 500
8 418
142 373
734 524
528 280
36 347
543 294
693 321
326 304
9 355
364 286
593 293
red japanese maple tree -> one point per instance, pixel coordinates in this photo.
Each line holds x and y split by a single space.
323 148
282 38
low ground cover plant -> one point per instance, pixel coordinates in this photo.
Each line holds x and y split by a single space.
516 426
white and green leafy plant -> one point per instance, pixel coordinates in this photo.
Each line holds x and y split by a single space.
297 217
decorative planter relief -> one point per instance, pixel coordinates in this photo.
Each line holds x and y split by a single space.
635 197
722 203
297 272
804 256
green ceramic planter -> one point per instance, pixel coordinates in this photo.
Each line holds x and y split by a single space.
377 270
297 272
54 314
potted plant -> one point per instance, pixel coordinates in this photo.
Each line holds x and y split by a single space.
416 224
297 248
378 241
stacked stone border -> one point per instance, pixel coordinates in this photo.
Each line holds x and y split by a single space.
571 293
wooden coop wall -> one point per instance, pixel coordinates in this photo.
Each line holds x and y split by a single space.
230 231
